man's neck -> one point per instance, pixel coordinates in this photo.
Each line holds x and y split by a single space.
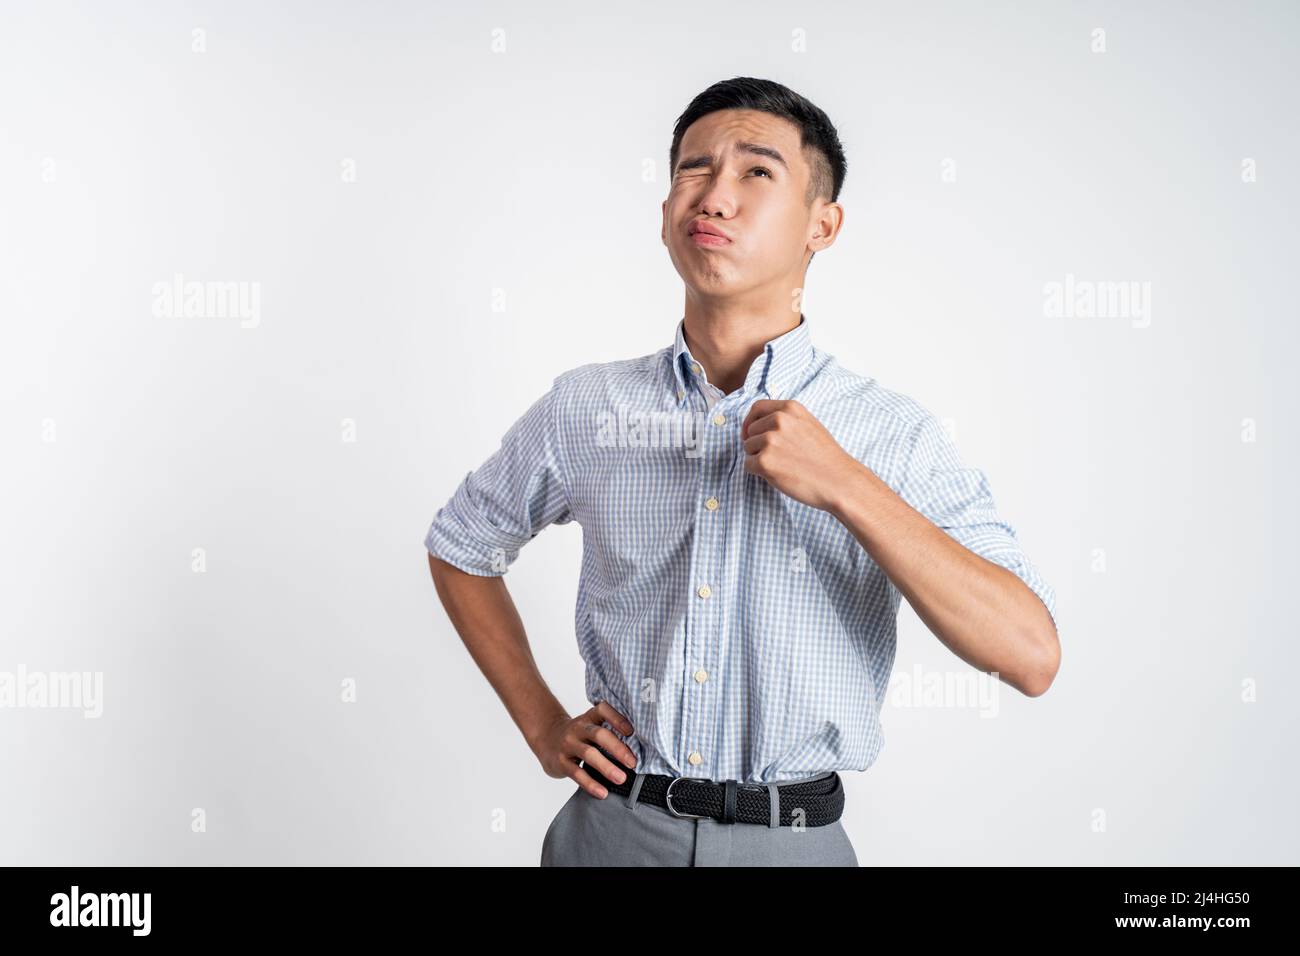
726 342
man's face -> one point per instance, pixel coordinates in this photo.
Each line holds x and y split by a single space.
744 173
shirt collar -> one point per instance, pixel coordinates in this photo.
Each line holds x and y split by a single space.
776 371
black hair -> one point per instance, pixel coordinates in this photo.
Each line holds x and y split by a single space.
816 132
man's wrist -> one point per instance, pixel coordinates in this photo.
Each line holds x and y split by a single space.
844 492
536 730
860 500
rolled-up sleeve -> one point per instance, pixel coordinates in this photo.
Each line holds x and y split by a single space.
503 504
958 499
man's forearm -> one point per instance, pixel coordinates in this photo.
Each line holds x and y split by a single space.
485 617
984 613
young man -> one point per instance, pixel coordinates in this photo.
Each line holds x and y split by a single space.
752 513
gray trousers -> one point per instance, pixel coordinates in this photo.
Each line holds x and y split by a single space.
622 831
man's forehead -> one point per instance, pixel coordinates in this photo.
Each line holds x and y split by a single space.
721 128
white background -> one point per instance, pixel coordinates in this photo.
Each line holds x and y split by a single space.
127 157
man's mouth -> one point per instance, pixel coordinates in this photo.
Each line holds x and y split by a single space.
705 233
708 239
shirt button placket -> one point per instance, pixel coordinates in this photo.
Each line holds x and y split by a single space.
698 619
714 537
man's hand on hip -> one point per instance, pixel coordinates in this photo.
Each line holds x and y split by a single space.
566 740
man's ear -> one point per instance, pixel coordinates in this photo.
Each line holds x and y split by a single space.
663 224
829 222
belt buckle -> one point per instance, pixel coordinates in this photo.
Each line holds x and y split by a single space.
668 800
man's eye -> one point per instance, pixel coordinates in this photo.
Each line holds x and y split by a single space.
762 169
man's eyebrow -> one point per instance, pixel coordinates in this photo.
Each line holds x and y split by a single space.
757 149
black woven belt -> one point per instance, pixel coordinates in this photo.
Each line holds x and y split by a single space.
815 803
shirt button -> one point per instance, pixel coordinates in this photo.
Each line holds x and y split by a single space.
695 758
701 676
719 418
680 393
704 591
711 504
696 368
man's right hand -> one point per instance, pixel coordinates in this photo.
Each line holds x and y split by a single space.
567 740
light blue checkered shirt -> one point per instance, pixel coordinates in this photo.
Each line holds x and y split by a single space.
745 635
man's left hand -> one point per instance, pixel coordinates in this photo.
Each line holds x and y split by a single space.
786 445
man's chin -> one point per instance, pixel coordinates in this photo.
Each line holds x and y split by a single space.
707 274
714 274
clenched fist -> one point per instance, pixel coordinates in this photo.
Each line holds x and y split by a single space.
786 445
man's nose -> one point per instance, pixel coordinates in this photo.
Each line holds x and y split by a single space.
717 200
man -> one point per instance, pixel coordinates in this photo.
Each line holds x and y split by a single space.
752 513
